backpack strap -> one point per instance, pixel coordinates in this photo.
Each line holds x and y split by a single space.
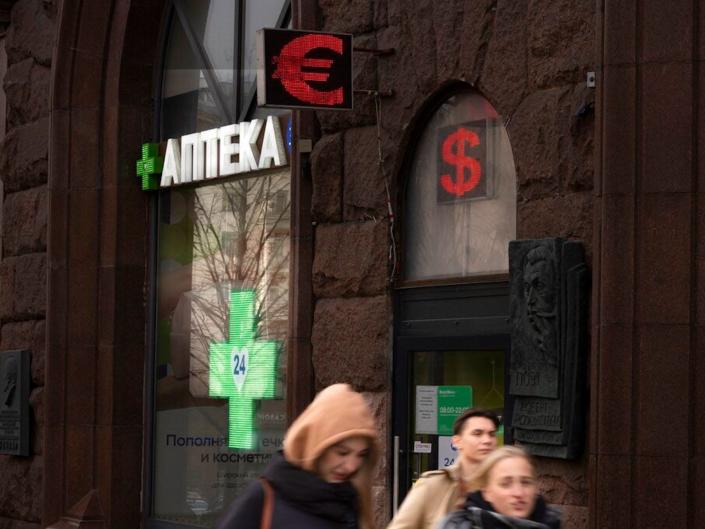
268 505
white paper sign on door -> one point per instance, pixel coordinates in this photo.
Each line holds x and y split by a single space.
422 448
427 409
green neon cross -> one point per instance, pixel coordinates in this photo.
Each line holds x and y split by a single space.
242 369
150 166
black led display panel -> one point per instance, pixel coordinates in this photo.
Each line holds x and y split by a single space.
304 69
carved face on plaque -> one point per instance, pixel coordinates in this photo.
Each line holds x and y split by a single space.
540 297
9 381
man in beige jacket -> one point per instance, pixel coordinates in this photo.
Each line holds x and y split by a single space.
439 492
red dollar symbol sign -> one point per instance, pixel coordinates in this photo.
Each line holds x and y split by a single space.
461 184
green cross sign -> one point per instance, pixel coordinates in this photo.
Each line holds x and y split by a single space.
150 166
242 369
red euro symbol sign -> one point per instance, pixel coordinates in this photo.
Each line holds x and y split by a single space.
293 58
467 169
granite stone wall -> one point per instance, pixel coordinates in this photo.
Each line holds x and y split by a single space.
23 264
530 59
648 321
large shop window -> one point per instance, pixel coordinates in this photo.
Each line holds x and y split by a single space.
222 277
461 195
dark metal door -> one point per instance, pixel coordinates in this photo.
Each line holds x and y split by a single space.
451 349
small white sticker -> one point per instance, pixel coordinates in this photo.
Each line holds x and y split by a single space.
422 448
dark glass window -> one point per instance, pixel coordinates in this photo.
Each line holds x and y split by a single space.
222 271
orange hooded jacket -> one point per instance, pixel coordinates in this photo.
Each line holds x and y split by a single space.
337 413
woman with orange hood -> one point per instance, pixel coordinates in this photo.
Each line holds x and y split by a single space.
323 478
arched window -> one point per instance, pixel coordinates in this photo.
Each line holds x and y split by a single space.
222 274
460 209
451 342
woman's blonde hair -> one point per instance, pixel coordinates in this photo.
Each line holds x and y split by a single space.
482 474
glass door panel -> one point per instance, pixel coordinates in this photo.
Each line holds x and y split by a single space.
445 383
451 352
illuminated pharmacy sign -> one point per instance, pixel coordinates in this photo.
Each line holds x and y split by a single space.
242 369
215 153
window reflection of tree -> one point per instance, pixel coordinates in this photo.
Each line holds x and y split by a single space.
240 240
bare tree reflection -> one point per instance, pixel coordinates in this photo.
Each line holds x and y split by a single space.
240 239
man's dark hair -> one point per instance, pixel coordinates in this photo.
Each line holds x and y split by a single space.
469 414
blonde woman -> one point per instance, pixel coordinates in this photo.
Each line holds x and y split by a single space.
323 478
506 496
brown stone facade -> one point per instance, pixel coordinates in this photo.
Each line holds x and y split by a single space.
647 443
101 108
72 275
23 268
530 59
619 166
